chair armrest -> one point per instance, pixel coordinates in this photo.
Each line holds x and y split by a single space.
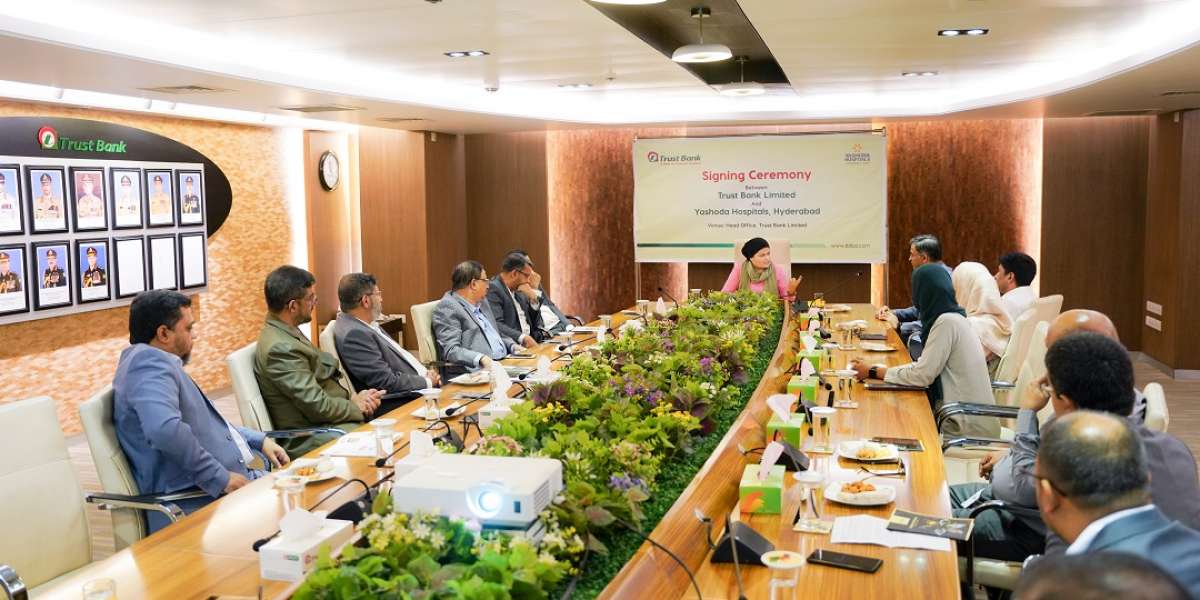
578 321
975 410
11 583
1003 385
163 503
996 505
287 434
963 442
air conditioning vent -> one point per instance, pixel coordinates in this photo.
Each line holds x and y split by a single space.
1124 113
184 89
1181 93
321 108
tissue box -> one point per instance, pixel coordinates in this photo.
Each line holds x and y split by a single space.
291 559
788 431
804 387
493 411
812 356
761 496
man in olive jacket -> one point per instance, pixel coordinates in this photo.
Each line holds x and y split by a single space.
300 383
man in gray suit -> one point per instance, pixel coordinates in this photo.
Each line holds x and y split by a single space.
372 358
514 316
464 329
1093 489
171 433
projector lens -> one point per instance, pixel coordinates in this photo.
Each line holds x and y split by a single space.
490 501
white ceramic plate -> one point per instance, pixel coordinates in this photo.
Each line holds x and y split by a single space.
835 308
877 347
477 378
325 469
849 450
883 494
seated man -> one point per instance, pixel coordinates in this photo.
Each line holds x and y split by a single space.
1080 319
514 316
554 321
1093 489
1013 276
172 435
372 358
1086 371
1095 576
464 329
922 249
299 382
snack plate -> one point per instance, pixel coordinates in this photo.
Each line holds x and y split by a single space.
849 450
877 347
325 469
883 494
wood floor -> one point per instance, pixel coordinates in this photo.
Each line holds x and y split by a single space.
1183 401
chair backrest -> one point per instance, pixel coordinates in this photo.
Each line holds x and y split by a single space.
326 343
245 387
42 520
1031 370
113 469
1157 417
1014 353
422 318
1047 308
781 253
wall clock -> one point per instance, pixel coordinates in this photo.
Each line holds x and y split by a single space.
329 170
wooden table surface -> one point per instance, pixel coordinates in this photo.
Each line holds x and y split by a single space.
905 572
209 552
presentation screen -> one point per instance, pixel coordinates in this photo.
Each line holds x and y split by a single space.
694 199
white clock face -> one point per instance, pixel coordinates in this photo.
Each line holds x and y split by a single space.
330 170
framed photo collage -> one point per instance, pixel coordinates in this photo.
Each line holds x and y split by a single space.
79 235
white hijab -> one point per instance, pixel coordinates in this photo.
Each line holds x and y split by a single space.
976 291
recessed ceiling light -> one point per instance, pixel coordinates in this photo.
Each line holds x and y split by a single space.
575 86
976 31
701 53
956 32
629 2
919 73
465 53
948 32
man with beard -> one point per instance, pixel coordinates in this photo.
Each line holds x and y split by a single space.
171 433
300 383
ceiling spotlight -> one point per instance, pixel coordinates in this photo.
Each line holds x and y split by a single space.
742 87
465 53
701 53
976 31
949 32
575 86
629 2
919 73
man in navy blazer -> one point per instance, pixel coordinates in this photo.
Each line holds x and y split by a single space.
514 316
171 433
1094 490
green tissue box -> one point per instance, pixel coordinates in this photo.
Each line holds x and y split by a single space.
804 387
765 496
812 356
788 431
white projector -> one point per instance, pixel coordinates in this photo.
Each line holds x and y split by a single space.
503 493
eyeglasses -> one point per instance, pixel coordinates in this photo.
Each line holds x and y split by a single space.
483 279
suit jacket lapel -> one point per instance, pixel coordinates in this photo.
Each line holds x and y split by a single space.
466 306
1121 529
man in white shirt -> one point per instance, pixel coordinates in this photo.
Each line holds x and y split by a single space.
372 358
515 318
1013 276
1093 489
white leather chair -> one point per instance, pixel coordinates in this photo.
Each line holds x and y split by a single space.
1157 417
1014 353
326 343
422 318
245 388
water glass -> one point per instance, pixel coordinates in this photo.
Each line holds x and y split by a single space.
291 490
643 308
812 493
785 572
433 411
100 589
822 423
606 322
384 434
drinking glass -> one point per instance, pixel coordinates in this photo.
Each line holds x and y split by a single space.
384 434
606 322
291 490
812 493
822 423
695 292
643 307
785 572
100 589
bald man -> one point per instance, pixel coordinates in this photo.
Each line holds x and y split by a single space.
1085 370
1082 319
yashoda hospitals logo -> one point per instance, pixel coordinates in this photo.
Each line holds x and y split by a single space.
856 155
672 159
47 137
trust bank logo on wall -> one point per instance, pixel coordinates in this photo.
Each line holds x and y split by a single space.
856 155
672 159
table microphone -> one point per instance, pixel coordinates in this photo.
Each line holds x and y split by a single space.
669 296
737 566
263 541
382 462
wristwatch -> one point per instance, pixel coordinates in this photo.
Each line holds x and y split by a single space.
873 372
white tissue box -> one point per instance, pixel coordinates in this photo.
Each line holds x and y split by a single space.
492 411
290 560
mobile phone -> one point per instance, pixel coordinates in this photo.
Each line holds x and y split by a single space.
830 558
520 355
906 444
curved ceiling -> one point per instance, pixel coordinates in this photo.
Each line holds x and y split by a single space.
843 58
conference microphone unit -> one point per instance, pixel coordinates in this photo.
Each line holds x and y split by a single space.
669 296
342 510
382 462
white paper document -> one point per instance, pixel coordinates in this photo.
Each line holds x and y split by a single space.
359 444
865 529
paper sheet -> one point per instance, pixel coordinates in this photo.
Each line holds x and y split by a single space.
865 529
360 444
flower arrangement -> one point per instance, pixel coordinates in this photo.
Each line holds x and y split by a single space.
653 397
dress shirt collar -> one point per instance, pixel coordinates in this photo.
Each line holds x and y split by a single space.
1094 528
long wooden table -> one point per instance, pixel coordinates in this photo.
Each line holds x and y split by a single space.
714 491
208 553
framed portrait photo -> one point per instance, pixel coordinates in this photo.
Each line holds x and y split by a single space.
164 262
160 199
129 260
127 205
191 197
51 263
12 217
90 203
47 199
193 262
92 257
14 285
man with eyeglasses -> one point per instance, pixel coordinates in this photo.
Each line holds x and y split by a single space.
300 383
1094 488
514 315
464 329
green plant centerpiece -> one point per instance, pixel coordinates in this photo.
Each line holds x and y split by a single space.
654 397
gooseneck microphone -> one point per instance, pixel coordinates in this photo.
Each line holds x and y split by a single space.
382 462
669 296
263 541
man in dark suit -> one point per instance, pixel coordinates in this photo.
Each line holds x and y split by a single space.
371 358
514 316
464 330
1093 489
554 321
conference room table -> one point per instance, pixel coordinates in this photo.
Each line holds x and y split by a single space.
208 554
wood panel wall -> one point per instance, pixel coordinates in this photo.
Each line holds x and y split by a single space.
1093 216
1160 279
1188 258
446 224
974 184
332 229
506 192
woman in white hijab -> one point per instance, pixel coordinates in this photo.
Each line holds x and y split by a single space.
976 291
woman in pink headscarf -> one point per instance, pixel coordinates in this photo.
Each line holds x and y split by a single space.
976 291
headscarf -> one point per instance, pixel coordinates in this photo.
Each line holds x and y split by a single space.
751 274
933 295
975 289
752 246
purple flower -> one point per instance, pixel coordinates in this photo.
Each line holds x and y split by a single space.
654 397
623 482
706 365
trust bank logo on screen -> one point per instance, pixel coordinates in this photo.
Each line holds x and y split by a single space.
672 159
856 155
